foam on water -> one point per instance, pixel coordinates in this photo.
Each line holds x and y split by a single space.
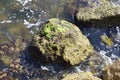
107 59
24 2
116 2
28 14
5 21
29 25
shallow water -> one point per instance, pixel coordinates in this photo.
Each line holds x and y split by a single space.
19 20
22 18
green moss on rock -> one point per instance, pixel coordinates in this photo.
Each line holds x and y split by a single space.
60 39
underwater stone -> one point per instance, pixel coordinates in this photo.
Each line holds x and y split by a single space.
4 38
6 60
108 41
5 76
61 41
98 13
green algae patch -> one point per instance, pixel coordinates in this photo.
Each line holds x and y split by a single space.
47 31
51 29
60 41
106 40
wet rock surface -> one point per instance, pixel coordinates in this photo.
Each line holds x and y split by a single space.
5 76
94 64
80 76
106 40
98 13
59 39
112 72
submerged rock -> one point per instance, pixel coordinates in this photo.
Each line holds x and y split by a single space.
4 38
6 60
98 13
61 41
108 41
80 76
5 76
112 72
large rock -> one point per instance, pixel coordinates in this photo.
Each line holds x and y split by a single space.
98 13
80 76
60 40
112 72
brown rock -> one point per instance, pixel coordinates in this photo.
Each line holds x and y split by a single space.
80 76
112 72
98 12
5 76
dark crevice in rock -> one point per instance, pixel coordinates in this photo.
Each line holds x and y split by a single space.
36 54
110 21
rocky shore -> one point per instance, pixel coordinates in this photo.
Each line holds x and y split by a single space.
58 46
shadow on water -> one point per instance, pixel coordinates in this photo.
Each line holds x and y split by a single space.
35 68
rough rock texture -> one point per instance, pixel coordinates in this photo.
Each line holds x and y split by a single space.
59 40
112 72
80 76
5 76
98 12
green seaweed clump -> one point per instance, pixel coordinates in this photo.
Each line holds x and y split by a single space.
50 30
